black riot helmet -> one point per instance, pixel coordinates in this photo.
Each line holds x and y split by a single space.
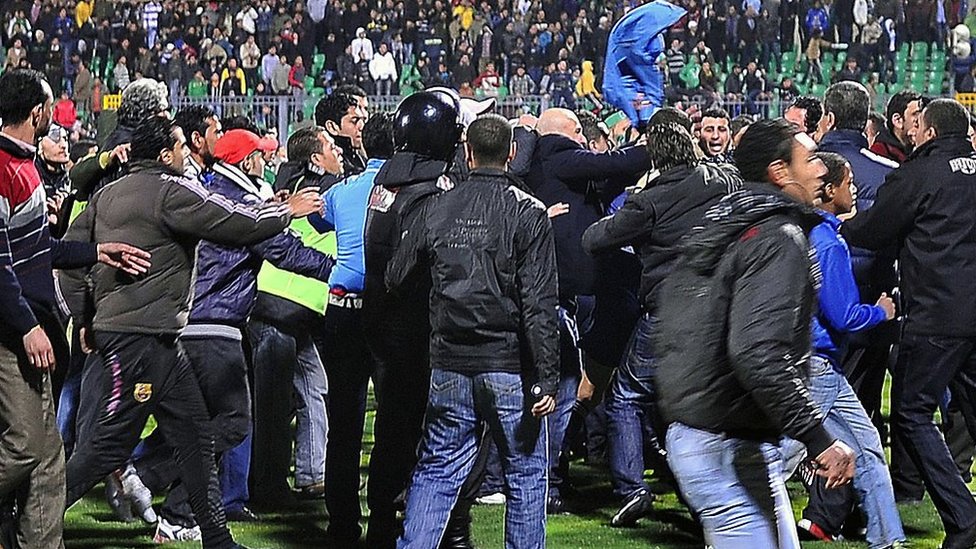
428 123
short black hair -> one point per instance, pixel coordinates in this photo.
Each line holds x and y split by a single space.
716 112
850 104
351 89
378 136
304 143
764 143
591 126
193 118
490 140
670 145
739 122
946 117
81 149
152 135
836 165
814 113
238 123
897 105
21 90
334 107
671 115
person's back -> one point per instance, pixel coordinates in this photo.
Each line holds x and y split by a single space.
928 207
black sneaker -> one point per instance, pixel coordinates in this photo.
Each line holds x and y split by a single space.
960 540
555 506
241 515
636 507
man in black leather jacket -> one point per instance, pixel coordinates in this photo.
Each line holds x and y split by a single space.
733 341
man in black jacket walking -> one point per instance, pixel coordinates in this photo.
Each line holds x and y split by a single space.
733 342
927 208
494 344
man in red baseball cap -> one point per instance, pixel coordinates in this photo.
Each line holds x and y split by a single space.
224 294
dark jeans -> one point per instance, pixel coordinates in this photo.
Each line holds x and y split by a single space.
146 375
275 354
458 403
925 368
221 371
630 411
348 366
570 371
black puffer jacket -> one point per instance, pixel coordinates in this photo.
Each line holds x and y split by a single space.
927 208
656 218
734 323
489 250
403 184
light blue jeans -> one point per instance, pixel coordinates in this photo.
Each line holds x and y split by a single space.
845 418
311 421
735 487
457 404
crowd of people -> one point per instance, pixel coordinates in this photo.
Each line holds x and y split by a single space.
723 51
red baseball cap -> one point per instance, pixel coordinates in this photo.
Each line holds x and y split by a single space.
236 145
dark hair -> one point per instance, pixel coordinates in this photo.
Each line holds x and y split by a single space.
334 107
304 143
193 118
814 113
671 115
669 146
946 117
21 90
490 140
972 119
378 136
81 149
836 166
351 89
877 120
764 143
591 126
850 104
238 123
716 113
897 105
152 135
739 122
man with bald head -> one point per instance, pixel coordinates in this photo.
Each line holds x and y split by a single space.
564 170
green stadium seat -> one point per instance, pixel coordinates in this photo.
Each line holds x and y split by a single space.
920 50
935 87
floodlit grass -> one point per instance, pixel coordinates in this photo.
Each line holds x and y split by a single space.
90 524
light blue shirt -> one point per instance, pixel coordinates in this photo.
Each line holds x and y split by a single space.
344 211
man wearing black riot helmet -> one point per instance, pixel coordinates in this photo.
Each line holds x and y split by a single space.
426 131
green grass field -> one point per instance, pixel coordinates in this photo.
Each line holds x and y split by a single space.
90 523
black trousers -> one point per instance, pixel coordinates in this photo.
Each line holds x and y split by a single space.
143 375
926 366
220 368
348 365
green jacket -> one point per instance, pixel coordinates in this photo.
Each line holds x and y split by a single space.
307 292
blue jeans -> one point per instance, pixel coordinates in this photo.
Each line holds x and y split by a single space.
457 403
735 487
845 418
311 420
630 409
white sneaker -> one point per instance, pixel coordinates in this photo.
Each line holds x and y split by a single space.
497 498
138 495
168 533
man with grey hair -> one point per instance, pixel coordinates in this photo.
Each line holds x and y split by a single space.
142 98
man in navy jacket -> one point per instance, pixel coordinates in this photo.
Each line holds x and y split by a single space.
563 170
